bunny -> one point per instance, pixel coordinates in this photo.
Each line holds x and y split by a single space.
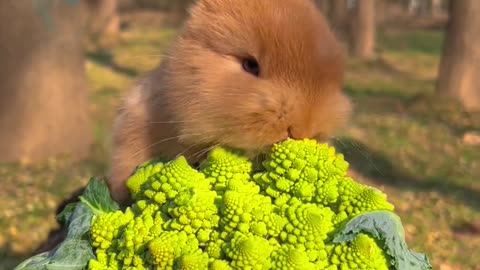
241 74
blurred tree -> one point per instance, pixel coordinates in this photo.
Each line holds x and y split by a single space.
459 75
362 29
177 10
127 4
338 15
43 94
102 18
436 7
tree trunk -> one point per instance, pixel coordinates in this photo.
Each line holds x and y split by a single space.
418 7
339 17
363 29
459 75
103 18
43 94
412 7
436 8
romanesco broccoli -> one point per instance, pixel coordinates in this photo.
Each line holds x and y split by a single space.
225 215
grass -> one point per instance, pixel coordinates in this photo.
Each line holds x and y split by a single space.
406 141
402 140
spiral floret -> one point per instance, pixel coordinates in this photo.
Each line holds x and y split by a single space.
303 169
169 246
220 265
193 210
249 252
192 261
222 166
289 257
173 177
104 261
362 253
134 239
250 213
309 226
106 227
141 176
356 199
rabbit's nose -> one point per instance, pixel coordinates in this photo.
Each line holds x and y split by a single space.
297 133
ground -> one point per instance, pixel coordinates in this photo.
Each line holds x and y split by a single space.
402 140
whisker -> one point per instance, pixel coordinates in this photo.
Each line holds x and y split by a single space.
179 136
358 149
188 148
165 140
154 144
203 151
259 152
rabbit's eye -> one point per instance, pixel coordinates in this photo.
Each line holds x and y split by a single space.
251 66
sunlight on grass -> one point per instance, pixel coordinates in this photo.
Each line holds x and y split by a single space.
420 66
407 66
417 41
103 77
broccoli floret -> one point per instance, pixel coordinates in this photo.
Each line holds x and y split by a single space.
220 265
290 257
169 246
172 178
240 185
192 261
362 253
191 211
252 213
135 236
216 249
134 229
106 227
222 166
104 261
142 175
249 252
304 170
308 227
356 199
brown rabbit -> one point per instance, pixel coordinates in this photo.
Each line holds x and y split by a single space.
243 74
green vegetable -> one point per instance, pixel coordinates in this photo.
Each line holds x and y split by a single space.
300 212
387 227
75 252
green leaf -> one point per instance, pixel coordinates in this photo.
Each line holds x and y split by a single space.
97 197
387 228
80 221
37 262
66 213
72 254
